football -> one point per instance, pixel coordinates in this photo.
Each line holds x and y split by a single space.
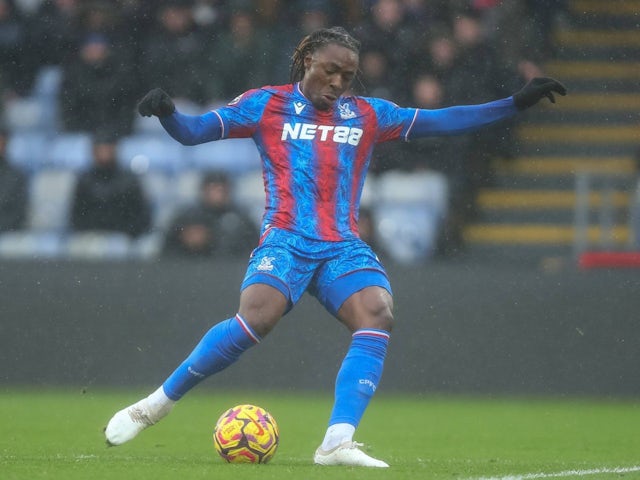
246 434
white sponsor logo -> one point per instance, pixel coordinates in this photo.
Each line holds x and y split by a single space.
266 264
194 373
310 131
345 111
298 106
367 382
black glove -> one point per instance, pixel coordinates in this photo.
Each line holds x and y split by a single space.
537 88
157 102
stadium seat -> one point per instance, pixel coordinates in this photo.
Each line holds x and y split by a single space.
70 151
28 150
368 192
30 114
147 247
98 246
29 245
234 156
160 190
48 81
250 195
147 152
409 210
188 187
50 200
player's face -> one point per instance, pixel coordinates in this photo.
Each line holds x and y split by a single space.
329 72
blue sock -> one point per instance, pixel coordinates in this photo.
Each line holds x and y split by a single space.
359 375
219 348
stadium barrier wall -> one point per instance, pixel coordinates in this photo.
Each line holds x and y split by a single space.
460 328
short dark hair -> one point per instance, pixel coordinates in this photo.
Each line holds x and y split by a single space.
214 176
314 41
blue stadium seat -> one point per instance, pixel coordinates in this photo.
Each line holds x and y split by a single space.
234 156
147 247
31 114
188 187
50 200
98 246
29 245
145 152
48 81
409 209
28 150
70 151
160 190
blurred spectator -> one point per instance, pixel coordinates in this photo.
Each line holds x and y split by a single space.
387 31
98 89
173 54
13 77
304 17
542 15
450 156
213 227
250 63
477 74
375 74
53 32
107 197
13 191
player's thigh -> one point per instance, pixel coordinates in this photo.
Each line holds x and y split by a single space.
355 288
371 307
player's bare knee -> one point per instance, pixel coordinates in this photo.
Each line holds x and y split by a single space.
369 308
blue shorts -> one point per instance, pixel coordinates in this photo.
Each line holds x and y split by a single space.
330 271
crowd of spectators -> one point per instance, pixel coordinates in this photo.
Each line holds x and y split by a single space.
423 53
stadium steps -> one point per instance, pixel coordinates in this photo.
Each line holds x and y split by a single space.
527 213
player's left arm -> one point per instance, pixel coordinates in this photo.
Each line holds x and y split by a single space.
186 129
465 118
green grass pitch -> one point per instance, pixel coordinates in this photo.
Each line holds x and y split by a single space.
58 435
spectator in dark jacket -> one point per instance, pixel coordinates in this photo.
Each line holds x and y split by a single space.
109 198
98 89
213 227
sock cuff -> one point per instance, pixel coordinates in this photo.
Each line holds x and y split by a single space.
372 332
247 329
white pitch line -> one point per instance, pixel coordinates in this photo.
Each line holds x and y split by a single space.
567 473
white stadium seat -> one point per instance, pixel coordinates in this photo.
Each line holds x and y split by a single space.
409 211
50 200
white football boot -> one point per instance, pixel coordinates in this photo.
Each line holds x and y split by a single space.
349 454
129 422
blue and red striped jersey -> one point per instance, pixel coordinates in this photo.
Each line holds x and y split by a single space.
314 162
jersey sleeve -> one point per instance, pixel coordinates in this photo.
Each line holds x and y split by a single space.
241 116
393 122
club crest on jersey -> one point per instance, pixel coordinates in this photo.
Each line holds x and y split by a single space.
298 106
266 264
345 111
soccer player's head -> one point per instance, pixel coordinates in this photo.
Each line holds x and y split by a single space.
325 63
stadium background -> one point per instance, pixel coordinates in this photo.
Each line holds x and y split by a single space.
511 314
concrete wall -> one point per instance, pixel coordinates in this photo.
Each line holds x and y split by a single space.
460 328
